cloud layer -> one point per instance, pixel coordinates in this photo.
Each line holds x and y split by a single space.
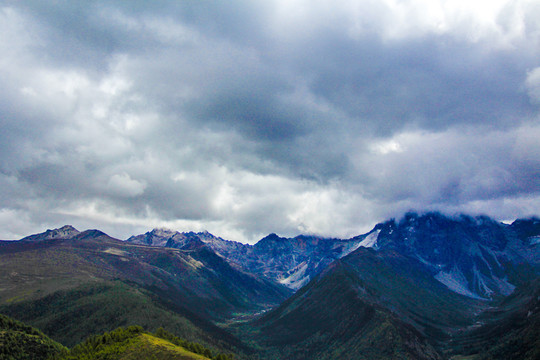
245 118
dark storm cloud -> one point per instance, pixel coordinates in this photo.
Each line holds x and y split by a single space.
387 87
248 118
455 168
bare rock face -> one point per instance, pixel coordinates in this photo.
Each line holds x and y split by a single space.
473 256
292 262
65 232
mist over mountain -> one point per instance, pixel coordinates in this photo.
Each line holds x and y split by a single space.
299 134
389 300
470 255
425 286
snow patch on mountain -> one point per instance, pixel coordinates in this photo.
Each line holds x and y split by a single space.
297 277
456 281
369 241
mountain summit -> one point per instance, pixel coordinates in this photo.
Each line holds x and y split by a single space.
429 286
292 262
65 232
473 256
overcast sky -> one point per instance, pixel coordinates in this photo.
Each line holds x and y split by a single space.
250 117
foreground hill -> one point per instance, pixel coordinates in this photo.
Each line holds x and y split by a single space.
86 283
133 343
20 341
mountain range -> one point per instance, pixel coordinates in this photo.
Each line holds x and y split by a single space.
426 286
463 253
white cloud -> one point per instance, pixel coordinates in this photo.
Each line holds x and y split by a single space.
396 20
15 224
123 185
387 146
293 116
533 84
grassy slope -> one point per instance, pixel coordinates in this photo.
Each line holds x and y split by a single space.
31 271
129 344
69 316
198 279
328 319
510 330
147 346
403 285
367 305
19 341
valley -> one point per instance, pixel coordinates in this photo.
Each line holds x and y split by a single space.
426 286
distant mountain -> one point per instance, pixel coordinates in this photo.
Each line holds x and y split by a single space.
65 232
289 261
476 257
164 237
295 261
471 256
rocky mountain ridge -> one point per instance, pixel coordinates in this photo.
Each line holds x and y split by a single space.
464 253
426 286
289 261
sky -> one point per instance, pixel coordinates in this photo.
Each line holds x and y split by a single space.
250 117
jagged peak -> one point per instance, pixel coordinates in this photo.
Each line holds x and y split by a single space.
271 237
67 228
64 232
162 230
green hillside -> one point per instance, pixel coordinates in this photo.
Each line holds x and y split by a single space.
69 316
21 342
368 305
509 330
331 319
91 283
132 343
